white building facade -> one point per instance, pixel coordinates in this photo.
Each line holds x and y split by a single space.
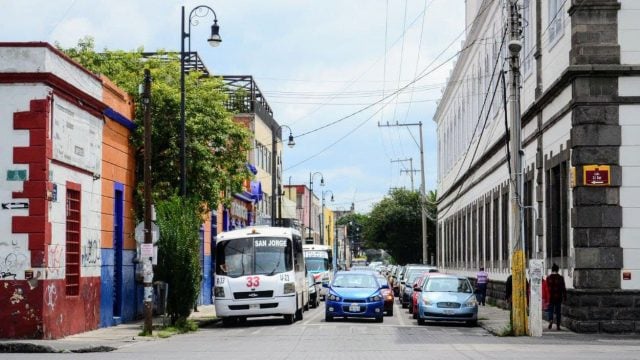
580 101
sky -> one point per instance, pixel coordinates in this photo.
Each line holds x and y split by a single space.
331 70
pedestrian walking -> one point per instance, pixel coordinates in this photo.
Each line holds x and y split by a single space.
557 294
482 278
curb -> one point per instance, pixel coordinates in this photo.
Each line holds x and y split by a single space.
29 348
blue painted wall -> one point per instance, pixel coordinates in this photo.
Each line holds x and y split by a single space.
130 309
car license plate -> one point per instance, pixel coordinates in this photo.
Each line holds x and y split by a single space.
254 306
449 312
354 308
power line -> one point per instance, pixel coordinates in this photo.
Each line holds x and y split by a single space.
476 128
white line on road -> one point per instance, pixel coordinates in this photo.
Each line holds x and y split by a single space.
397 309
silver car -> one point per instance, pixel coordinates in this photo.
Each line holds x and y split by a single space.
447 298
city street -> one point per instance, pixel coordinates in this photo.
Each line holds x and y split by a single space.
398 337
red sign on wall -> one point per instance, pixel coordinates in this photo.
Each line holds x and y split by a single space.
597 175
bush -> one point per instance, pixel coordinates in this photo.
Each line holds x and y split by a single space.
179 253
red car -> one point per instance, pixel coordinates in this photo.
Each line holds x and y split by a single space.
413 309
414 296
387 295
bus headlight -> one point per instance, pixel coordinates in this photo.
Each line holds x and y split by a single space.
218 291
289 288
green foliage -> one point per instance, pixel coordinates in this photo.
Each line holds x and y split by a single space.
395 224
178 254
216 146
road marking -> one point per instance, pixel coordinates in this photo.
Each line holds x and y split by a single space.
315 314
401 314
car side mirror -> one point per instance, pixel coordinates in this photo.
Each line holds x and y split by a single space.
402 282
325 285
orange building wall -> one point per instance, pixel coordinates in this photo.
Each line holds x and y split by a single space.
118 165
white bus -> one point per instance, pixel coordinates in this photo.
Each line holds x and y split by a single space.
260 271
319 263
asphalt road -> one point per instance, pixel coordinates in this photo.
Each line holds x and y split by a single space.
398 337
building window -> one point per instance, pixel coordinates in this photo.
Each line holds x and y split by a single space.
298 200
505 229
528 219
72 242
556 18
527 37
487 232
557 210
495 251
482 249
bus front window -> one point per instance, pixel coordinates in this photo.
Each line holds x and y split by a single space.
273 256
242 257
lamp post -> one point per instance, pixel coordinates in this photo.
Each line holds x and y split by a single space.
274 169
213 40
311 175
322 216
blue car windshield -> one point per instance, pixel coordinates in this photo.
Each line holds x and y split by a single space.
355 281
448 285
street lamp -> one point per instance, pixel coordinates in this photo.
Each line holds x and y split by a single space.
274 150
322 224
213 40
311 175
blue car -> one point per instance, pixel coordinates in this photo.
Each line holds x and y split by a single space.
355 294
447 298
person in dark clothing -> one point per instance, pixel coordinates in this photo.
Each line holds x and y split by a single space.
508 291
557 294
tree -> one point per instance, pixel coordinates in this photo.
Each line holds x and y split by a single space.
178 254
216 146
395 224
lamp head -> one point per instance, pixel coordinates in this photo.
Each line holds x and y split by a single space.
322 181
331 197
291 143
215 39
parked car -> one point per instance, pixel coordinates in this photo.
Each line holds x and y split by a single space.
387 295
314 291
407 278
395 282
417 292
447 298
355 294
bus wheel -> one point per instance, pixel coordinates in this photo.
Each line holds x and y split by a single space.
289 319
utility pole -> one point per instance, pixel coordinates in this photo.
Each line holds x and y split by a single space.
423 197
519 305
148 241
410 171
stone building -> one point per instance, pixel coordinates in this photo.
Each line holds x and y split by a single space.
580 101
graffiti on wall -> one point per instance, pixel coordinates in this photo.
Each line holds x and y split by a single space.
91 253
51 296
12 264
55 258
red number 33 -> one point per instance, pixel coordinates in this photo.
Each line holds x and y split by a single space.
253 281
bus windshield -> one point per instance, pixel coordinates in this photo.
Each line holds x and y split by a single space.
316 265
254 256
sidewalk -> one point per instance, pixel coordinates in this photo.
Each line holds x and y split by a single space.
496 321
100 340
